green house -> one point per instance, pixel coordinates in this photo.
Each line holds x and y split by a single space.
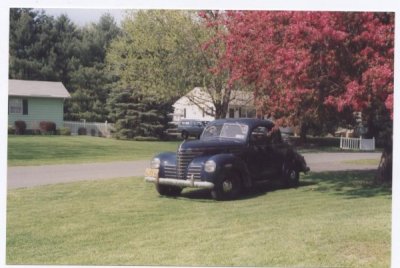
36 101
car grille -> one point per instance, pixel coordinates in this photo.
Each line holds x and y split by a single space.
195 171
184 157
170 171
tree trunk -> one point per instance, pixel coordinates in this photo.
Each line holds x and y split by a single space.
385 166
303 133
221 107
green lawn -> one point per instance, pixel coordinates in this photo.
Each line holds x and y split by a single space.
45 150
336 219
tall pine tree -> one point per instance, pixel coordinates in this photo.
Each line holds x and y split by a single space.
137 114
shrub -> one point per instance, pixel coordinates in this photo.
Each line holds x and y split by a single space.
11 129
64 131
82 131
47 127
316 141
141 138
20 127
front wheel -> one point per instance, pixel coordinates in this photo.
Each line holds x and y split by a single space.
228 186
290 175
168 190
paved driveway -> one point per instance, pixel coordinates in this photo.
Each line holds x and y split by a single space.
18 177
39 175
319 162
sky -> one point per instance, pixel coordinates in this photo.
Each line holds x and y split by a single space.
83 16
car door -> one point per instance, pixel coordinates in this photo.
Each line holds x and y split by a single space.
277 151
261 162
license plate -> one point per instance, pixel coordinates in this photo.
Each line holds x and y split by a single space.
151 172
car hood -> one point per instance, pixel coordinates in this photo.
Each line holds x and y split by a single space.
212 146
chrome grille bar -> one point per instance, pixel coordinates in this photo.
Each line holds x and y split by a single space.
195 171
184 157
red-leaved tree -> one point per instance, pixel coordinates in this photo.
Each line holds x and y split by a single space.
308 67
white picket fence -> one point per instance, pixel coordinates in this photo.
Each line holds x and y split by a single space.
357 144
92 128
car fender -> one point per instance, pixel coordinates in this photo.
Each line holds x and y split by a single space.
166 159
298 160
223 162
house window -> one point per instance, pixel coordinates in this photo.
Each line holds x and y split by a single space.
18 106
184 112
15 106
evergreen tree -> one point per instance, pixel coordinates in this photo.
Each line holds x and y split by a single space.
44 48
91 80
138 115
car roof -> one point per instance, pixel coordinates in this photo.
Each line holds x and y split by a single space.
251 122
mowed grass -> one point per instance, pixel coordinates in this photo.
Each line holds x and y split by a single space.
47 150
336 219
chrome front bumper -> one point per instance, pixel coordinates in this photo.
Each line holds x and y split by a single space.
181 183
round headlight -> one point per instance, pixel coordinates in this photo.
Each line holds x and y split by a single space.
210 166
155 163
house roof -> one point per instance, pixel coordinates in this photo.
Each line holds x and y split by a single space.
26 88
201 96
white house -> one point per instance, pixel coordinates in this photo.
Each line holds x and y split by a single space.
198 105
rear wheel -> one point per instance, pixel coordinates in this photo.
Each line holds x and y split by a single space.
290 175
168 190
228 186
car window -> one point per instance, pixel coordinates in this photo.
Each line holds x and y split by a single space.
227 130
261 135
234 131
211 132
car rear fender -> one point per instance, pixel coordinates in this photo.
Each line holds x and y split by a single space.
298 161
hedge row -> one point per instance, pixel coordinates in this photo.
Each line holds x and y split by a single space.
45 127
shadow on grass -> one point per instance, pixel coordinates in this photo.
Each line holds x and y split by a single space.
259 190
350 183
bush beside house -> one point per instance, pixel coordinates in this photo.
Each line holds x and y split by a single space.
20 127
47 127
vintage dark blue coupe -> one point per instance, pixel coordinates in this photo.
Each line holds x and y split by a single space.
231 155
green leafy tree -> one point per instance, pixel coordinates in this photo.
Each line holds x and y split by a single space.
156 53
157 58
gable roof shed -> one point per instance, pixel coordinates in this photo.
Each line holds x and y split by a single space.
44 89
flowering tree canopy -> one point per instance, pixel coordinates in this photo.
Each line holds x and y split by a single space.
301 64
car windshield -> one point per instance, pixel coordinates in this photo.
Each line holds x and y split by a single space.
227 130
